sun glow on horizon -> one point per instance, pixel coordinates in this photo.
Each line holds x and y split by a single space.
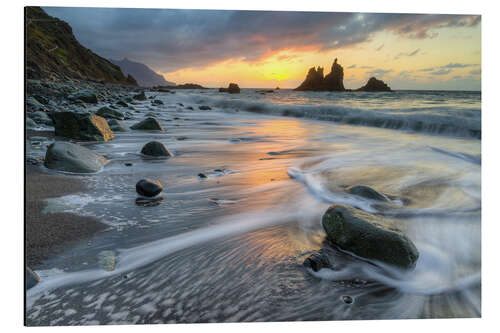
402 63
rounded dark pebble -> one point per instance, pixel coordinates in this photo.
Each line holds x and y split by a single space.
128 164
202 175
148 187
347 299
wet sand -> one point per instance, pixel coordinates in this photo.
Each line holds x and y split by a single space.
47 234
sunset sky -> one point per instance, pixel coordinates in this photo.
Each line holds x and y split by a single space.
268 49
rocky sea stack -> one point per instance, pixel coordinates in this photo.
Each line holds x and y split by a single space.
334 81
315 81
374 84
233 88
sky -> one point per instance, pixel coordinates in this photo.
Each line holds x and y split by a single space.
266 49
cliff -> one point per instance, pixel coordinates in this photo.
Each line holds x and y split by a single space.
144 75
52 52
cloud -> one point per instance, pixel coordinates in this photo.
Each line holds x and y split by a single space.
366 67
168 39
407 54
441 72
428 69
352 66
457 65
379 72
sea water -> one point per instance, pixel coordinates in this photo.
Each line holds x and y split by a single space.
230 247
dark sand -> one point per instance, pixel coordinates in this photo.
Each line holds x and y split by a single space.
47 234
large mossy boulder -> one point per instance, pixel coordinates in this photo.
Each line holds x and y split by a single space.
109 113
148 124
82 126
70 157
368 236
87 96
156 149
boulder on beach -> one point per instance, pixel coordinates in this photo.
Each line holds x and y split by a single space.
374 84
368 236
117 126
109 113
122 103
233 88
148 124
70 157
148 187
366 192
87 96
140 96
157 102
82 126
155 148
32 278
204 107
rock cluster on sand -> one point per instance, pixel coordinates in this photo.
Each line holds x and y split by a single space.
374 84
82 126
69 157
233 88
315 81
368 236
148 187
155 148
148 124
109 113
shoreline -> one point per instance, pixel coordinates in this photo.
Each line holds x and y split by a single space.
51 233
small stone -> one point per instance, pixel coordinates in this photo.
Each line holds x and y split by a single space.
202 175
347 299
148 202
128 164
148 187
205 107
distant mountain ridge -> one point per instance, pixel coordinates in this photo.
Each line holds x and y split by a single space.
53 52
144 75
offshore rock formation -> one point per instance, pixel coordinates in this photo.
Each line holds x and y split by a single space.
315 81
374 84
233 88
53 53
334 81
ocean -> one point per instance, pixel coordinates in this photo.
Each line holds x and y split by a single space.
230 247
